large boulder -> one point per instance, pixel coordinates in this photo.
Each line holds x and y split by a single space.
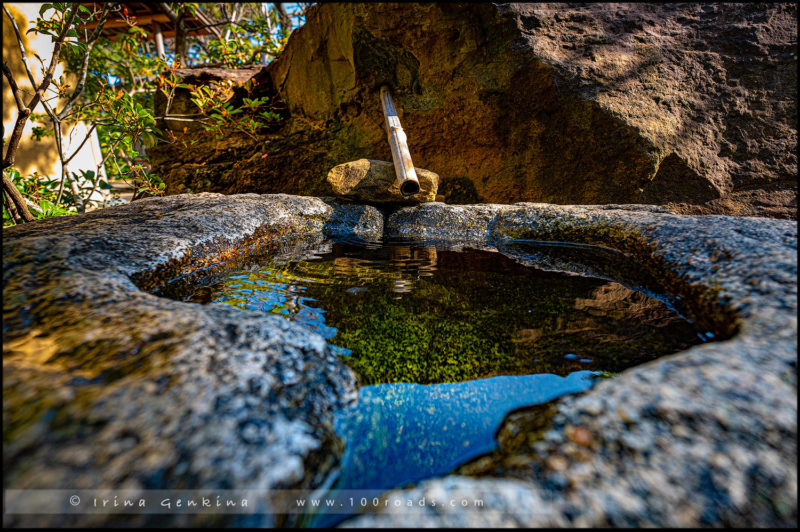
687 105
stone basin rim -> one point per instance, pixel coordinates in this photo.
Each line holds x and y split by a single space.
215 253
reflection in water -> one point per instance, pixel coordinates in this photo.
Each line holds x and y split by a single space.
417 314
417 431
447 343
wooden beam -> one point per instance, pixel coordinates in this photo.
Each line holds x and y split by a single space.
159 37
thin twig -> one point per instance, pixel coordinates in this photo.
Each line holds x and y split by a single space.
16 135
88 135
31 205
233 20
100 165
85 66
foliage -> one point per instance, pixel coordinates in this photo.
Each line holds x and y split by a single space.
254 34
42 191
110 81
220 114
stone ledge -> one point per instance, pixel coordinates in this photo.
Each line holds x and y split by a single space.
107 386
704 437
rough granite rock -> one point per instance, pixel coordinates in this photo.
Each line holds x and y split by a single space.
375 181
706 437
689 105
107 386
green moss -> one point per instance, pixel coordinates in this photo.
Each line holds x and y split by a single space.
474 315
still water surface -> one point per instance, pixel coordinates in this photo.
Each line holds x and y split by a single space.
447 343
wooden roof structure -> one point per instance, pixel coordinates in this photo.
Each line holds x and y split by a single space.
151 17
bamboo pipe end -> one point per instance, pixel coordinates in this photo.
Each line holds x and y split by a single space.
406 176
409 187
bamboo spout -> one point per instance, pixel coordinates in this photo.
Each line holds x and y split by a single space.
407 180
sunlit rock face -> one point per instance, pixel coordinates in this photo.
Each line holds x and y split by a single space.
687 105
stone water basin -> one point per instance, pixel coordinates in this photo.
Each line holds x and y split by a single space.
446 342
108 384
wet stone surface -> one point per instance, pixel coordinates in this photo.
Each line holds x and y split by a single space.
106 384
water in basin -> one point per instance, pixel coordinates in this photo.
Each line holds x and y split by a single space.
446 343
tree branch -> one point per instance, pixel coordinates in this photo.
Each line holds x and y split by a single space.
14 88
22 117
180 32
12 209
16 199
286 20
233 20
10 156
